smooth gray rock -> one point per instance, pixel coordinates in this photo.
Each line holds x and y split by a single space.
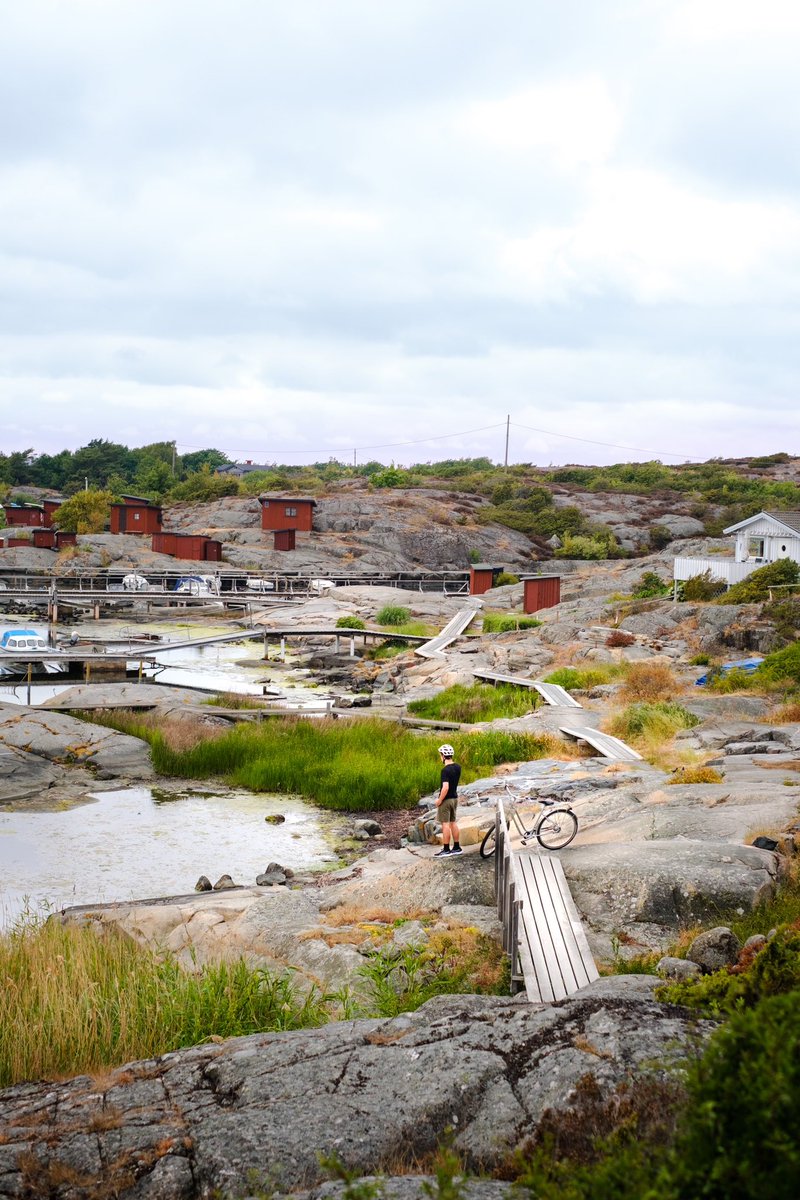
677 968
368 826
203 884
59 738
370 1092
714 949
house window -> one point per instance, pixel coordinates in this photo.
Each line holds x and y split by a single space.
291 512
136 516
755 548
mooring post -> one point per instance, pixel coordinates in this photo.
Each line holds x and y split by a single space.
30 672
283 649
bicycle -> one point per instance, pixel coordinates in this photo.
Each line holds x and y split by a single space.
553 828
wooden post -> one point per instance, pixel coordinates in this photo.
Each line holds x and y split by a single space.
30 672
283 649
352 647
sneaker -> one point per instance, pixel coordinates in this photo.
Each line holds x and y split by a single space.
456 850
443 853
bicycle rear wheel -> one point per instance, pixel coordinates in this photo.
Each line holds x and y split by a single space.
489 843
557 828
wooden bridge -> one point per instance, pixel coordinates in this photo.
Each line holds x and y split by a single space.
542 930
608 746
453 629
551 693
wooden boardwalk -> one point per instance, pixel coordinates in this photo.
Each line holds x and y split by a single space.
609 747
453 629
551 693
542 930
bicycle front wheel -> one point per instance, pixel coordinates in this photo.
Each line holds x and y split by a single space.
557 829
489 843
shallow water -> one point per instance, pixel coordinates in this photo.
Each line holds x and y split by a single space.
130 844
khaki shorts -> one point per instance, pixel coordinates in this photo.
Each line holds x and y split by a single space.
447 810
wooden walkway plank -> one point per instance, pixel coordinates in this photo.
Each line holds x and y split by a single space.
609 747
453 629
539 920
574 938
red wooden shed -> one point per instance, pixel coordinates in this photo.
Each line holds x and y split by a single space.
287 512
51 506
541 591
283 539
194 546
25 514
45 539
64 538
481 578
135 514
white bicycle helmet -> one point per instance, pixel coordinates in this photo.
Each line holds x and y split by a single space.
447 751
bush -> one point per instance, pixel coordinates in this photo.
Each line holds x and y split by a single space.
649 681
351 622
587 677
696 775
507 623
393 614
651 586
660 536
703 587
505 578
757 586
579 547
620 638
780 667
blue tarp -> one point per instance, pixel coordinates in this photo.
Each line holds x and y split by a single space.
748 665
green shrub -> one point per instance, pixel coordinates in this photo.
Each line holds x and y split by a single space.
580 547
477 702
659 536
702 587
757 586
505 578
393 614
351 622
774 971
507 622
780 667
740 1135
700 660
650 585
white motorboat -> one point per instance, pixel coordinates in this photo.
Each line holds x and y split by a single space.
27 641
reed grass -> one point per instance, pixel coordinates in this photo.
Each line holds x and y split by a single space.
507 622
368 764
651 727
477 702
75 1002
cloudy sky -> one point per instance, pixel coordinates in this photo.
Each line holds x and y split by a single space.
295 229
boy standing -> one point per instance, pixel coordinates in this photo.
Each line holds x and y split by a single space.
448 802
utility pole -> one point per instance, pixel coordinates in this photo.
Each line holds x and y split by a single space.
508 425
174 450
354 457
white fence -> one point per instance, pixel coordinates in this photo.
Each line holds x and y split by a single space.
725 569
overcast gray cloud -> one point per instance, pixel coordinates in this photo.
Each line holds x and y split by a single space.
289 230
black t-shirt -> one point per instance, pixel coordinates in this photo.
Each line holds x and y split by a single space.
451 773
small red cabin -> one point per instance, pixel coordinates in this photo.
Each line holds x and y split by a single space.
283 539
541 591
51 506
25 514
188 545
64 538
481 578
45 539
134 514
287 512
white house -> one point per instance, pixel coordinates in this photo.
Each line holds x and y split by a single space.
761 539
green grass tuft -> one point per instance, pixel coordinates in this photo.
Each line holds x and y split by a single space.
477 702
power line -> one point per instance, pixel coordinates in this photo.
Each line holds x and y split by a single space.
342 449
611 445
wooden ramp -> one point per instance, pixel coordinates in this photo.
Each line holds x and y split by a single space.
542 930
554 952
609 747
552 693
453 629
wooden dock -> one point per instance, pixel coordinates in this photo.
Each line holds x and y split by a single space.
453 629
542 929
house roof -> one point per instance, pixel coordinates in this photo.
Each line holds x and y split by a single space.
265 497
127 499
789 520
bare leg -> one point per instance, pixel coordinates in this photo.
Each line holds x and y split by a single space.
446 827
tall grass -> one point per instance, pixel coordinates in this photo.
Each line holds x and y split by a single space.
507 622
368 764
650 726
579 679
75 1002
478 702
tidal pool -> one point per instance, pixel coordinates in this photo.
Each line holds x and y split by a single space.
134 844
